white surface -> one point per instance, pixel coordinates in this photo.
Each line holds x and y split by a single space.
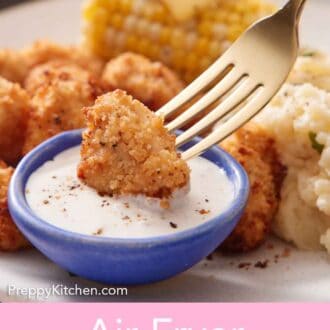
301 276
76 207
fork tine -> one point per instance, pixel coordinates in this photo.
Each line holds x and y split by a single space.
206 78
219 90
255 105
228 105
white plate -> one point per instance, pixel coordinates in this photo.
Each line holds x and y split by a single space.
297 275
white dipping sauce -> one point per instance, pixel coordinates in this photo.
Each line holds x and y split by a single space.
58 197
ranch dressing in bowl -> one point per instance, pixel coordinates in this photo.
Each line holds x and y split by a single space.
56 195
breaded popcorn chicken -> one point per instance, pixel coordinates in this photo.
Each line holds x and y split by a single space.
12 66
152 83
256 137
127 150
15 65
60 91
43 51
255 150
14 109
48 73
10 237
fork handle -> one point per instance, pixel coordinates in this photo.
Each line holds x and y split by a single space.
296 6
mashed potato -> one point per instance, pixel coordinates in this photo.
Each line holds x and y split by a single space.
312 67
299 120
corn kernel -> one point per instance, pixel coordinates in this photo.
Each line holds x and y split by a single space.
142 46
148 27
153 51
205 28
154 31
142 27
191 61
125 6
191 40
117 21
165 35
202 46
179 59
177 39
159 15
214 49
131 42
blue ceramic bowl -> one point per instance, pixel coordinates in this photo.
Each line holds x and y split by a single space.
123 261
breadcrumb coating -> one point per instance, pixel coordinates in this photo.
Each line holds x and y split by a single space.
48 73
14 109
255 150
12 66
152 83
43 51
127 150
60 91
10 237
15 65
259 139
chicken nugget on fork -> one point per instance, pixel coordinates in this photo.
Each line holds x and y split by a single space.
127 150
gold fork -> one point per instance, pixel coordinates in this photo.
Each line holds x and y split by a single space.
244 79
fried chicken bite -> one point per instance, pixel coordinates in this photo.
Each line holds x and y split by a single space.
15 65
256 137
48 73
59 92
255 150
10 237
127 150
12 65
14 109
43 51
152 83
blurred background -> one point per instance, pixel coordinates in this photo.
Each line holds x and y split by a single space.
22 21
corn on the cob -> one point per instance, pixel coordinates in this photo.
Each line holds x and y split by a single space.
187 35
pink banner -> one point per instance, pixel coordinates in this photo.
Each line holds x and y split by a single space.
164 316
